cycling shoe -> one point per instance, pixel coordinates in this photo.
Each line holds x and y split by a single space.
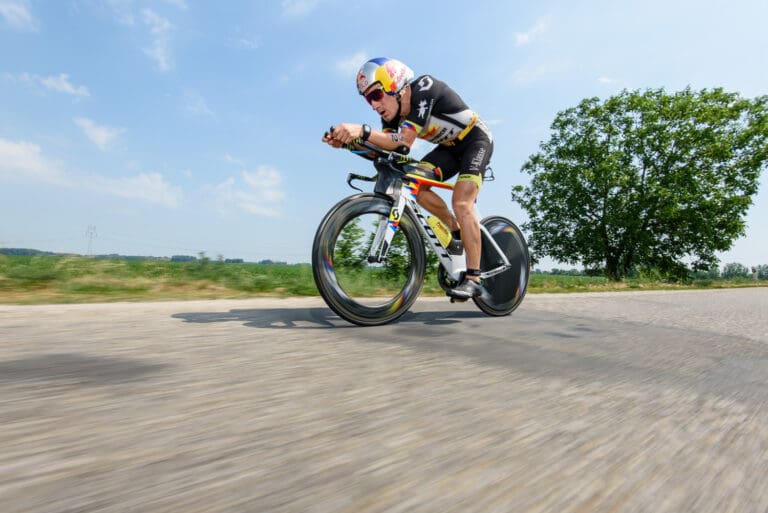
466 289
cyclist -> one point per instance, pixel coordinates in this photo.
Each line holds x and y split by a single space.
429 109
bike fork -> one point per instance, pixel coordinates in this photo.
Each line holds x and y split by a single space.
385 232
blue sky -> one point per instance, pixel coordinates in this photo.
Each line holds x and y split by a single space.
181 126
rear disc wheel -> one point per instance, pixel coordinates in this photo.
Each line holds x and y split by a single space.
505 291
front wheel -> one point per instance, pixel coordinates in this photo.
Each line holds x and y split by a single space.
505 290
359 291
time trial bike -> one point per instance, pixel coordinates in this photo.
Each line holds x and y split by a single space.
369 259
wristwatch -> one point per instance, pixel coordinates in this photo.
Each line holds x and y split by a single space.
366 132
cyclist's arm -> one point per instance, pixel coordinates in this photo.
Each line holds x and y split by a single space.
346 133
392 140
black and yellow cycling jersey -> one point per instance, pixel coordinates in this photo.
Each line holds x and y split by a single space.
438 114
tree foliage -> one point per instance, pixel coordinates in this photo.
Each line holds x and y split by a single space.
350 251
646 179
352 247
735 270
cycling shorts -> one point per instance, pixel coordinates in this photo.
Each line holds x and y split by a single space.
468 158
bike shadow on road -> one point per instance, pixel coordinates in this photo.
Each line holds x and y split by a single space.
76 369
316 318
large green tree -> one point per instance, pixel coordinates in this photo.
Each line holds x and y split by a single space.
646 179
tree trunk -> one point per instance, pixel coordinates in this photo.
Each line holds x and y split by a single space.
612 268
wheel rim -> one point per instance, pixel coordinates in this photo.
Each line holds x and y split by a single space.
358 290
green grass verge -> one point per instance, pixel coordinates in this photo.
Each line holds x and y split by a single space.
53 279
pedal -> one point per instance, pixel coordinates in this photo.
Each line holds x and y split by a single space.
459 299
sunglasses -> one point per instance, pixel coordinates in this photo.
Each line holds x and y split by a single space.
375 96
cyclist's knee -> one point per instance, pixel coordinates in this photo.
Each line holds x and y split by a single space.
467 188
463 206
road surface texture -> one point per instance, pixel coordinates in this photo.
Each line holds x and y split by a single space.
604 402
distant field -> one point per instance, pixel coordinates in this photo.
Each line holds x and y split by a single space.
52 279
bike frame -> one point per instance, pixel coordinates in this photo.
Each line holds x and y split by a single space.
404 200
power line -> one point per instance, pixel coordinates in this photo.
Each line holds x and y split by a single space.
90 234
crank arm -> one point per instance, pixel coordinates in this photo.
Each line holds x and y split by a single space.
494 272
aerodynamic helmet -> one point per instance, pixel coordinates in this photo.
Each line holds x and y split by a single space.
392 74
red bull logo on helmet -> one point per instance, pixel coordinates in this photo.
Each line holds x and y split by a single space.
396 74
362 81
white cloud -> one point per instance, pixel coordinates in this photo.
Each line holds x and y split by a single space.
266 178
122 11
248 43
147 187
59 84
101 136
229 159
23 161
350 65
525 38
298 8
17 15
259 195
194 103
62 84
160 29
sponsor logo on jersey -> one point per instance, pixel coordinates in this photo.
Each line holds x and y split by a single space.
422 108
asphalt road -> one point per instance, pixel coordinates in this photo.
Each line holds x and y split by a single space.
616 402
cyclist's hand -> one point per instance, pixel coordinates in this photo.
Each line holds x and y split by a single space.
329 138
346 133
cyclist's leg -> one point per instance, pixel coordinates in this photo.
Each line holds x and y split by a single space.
464 195
438 161
475 158
435 205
